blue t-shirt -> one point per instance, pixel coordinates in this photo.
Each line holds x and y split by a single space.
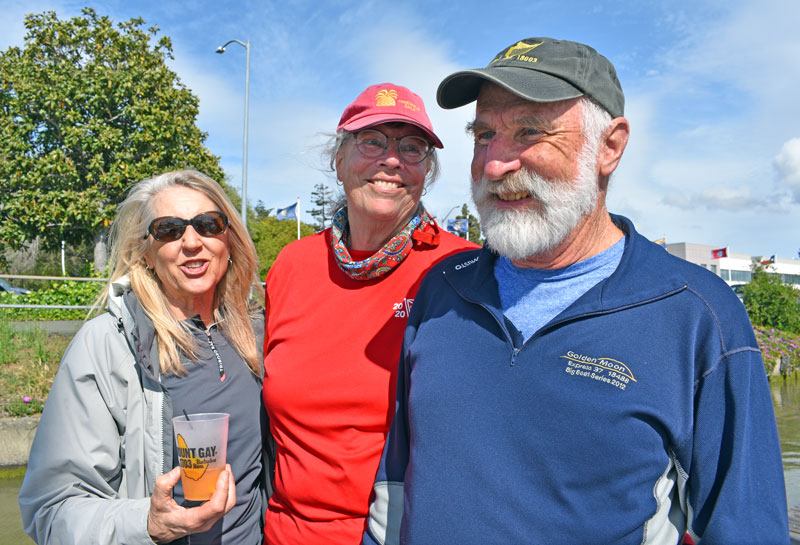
532 297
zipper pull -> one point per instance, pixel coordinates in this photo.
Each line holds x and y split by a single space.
222 376
514 353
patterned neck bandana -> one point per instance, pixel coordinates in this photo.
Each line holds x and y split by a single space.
390 255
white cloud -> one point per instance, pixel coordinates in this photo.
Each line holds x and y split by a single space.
716 198
418 61
787 166
316 83
706 116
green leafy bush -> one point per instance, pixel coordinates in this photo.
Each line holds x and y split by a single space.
270 236
57 293
772 303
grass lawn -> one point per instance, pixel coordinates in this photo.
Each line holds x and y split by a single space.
29 360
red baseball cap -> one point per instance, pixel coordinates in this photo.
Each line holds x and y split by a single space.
386 103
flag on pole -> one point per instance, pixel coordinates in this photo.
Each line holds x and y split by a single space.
768 260
719 252
460 225
288 213
661 242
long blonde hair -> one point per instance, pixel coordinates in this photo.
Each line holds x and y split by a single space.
231 295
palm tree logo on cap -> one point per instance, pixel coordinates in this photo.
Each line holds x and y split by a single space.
385 97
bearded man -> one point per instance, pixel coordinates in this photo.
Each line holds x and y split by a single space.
572 382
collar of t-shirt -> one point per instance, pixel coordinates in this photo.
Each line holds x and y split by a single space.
532 297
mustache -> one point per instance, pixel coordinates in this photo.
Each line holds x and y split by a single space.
522 181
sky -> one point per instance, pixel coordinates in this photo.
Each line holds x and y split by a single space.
710 88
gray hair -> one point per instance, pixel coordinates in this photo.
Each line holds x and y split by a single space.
595 120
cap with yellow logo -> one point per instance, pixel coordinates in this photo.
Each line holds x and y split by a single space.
541 70
387 103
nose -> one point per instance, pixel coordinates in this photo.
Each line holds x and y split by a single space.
191 240
495 160
391 155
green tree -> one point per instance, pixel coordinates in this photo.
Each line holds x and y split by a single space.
260 211
270 236
323 201
474 228
771 302
86 109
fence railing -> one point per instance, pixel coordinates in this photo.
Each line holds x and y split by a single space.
61 279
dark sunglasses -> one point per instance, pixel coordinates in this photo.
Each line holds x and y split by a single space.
170 228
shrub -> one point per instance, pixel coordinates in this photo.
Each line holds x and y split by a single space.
58 293
772 303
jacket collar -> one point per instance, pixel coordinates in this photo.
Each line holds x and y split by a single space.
643 275
136 325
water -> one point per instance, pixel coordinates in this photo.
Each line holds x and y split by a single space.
785 398
10 523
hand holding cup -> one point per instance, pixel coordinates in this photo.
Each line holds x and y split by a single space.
168 521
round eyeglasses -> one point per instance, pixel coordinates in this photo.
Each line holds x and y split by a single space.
373 143
170 228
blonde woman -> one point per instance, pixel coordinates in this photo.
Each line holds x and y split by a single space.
179 334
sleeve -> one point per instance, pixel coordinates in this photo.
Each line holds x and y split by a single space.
736 491
386 507
74 487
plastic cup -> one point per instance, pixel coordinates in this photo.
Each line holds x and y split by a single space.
202 443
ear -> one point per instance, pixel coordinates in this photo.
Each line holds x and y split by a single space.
612 146
147 261
337 161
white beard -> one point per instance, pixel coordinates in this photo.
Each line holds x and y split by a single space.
560 205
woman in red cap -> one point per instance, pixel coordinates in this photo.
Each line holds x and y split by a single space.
336 305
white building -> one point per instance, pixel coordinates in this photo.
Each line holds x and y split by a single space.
735 268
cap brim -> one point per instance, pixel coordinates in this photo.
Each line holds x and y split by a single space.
377 119
462 87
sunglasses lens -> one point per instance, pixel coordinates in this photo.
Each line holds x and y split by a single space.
167 229
209 225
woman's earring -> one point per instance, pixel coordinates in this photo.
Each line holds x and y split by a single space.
339 181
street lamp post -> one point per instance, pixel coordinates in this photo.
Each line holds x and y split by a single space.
448 214
221 50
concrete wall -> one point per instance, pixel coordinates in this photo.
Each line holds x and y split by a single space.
16 434
16 437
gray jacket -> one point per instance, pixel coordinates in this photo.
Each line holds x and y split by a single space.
104 436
